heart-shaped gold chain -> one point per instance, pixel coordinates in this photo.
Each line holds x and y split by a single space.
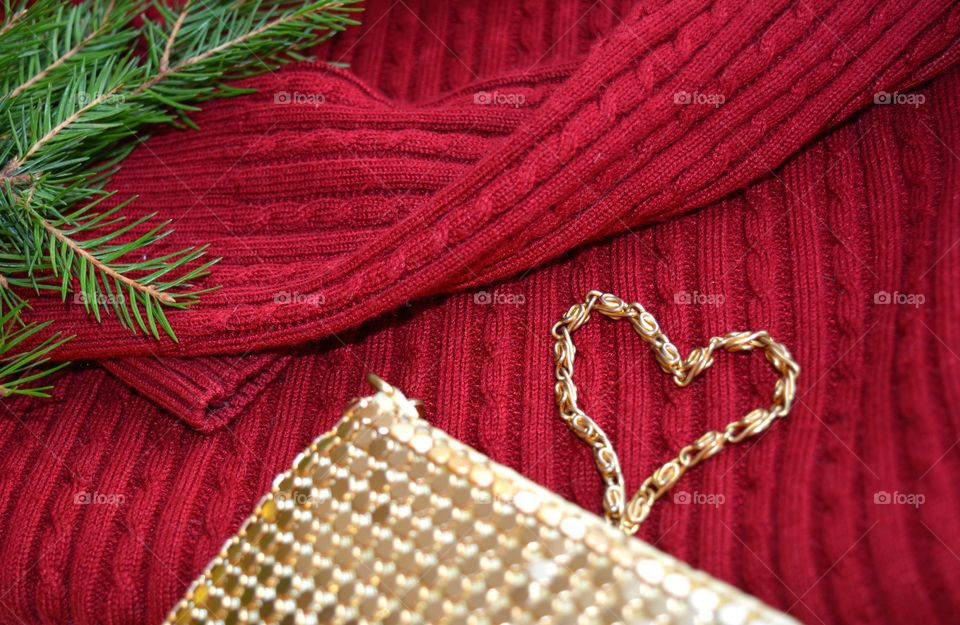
629 515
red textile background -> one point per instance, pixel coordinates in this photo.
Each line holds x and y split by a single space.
430 212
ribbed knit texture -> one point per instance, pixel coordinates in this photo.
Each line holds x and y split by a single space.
365 232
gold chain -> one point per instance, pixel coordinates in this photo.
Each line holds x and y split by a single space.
629 515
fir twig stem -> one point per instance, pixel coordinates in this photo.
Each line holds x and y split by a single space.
16 17
165 59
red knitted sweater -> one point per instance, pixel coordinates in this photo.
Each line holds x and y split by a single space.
430 212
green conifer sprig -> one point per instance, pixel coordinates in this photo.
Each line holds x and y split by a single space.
79 85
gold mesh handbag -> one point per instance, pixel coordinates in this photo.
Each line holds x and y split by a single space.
386 519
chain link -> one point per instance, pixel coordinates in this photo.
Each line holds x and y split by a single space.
628 515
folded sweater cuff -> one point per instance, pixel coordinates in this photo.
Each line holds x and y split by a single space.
207 393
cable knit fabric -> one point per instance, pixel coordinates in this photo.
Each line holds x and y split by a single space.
430 211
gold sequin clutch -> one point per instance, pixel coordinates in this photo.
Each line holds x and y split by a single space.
386 519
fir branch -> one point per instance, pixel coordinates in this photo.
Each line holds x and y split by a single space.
242 42
78 82
106 269
65 33
66 56
17 163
